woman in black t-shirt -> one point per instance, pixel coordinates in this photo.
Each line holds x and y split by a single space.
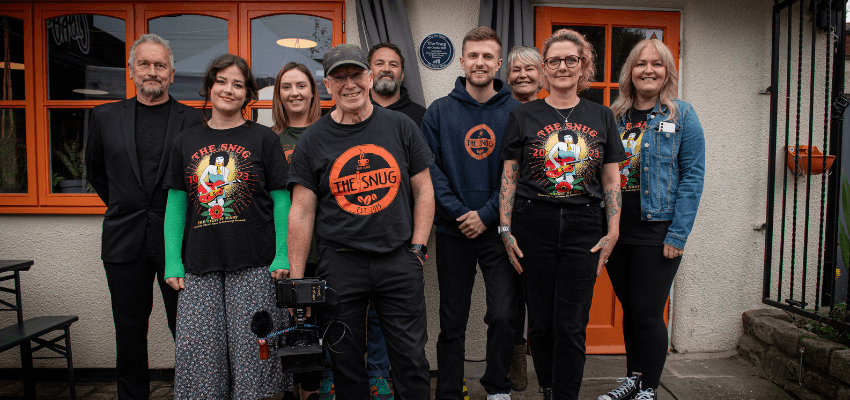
227 203
662 180
561 156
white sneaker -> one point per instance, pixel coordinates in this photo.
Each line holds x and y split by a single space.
499 396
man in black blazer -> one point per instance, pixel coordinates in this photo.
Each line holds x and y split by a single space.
128 147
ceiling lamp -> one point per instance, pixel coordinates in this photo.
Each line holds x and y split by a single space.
12 65
90 91
296 43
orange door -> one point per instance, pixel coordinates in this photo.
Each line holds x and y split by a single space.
612 33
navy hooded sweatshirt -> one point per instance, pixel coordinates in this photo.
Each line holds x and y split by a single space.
466 138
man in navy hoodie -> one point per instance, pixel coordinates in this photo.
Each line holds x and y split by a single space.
464 131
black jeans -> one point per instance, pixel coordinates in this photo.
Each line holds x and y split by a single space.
559 275
394 281
456 261
132 301
641 277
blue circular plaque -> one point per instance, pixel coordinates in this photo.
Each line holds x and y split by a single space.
436 51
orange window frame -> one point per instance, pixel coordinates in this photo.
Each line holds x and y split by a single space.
39 198
546 17
24 13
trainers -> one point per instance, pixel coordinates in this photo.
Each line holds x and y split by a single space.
628 387
648 394
379 389
326 389
547 393
465 392
499 396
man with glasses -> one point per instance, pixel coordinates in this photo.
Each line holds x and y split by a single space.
464 130
360 174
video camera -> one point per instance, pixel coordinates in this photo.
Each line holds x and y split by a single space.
301 347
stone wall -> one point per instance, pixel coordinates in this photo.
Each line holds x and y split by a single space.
773 343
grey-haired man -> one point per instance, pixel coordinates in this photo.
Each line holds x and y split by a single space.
361 174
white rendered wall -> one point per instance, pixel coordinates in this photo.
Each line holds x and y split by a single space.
725 62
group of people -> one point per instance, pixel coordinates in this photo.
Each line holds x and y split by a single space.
539 194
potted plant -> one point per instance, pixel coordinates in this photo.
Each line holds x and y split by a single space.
72 158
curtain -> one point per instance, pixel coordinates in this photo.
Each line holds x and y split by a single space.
513 20
386 21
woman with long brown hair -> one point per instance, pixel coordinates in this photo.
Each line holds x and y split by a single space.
295 106
561 156
662 181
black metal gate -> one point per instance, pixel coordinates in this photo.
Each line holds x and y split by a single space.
806 116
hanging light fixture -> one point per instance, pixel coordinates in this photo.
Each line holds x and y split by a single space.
296 43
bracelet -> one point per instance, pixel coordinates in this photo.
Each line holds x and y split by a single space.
504 229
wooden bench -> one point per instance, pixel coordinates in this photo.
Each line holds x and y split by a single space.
26 332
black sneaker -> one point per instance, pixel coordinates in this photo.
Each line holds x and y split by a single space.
547 393
628 388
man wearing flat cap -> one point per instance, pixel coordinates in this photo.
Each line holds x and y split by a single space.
360 175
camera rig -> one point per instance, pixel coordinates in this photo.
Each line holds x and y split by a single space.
300 347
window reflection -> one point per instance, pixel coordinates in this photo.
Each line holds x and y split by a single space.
67 133
13 151
594 95
268 57
596 36
622 41
85 57
12 61
195 40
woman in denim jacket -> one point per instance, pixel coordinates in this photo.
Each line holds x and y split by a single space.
662 180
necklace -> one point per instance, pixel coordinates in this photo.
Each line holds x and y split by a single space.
567 118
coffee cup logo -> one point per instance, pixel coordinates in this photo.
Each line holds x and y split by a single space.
365 179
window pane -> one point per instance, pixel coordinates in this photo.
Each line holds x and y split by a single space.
195 40
67 130
312 37
85 58
614 94
12 58
13 151
622 41
596 36
594 95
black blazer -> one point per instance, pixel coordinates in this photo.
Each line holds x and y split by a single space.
112 168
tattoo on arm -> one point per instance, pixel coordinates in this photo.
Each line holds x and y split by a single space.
507 194
613 203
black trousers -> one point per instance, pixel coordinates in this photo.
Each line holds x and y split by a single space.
559 275
131 291
641 277
394 281
456 262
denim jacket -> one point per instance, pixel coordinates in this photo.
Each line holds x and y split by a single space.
673 173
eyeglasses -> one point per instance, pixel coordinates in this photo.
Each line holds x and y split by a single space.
555 62
356 77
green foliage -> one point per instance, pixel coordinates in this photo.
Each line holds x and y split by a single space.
839 313
57 178
72 157
844 239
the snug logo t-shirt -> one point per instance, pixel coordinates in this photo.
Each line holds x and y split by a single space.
365 179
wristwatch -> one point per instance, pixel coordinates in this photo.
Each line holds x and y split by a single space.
504 228
418 247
